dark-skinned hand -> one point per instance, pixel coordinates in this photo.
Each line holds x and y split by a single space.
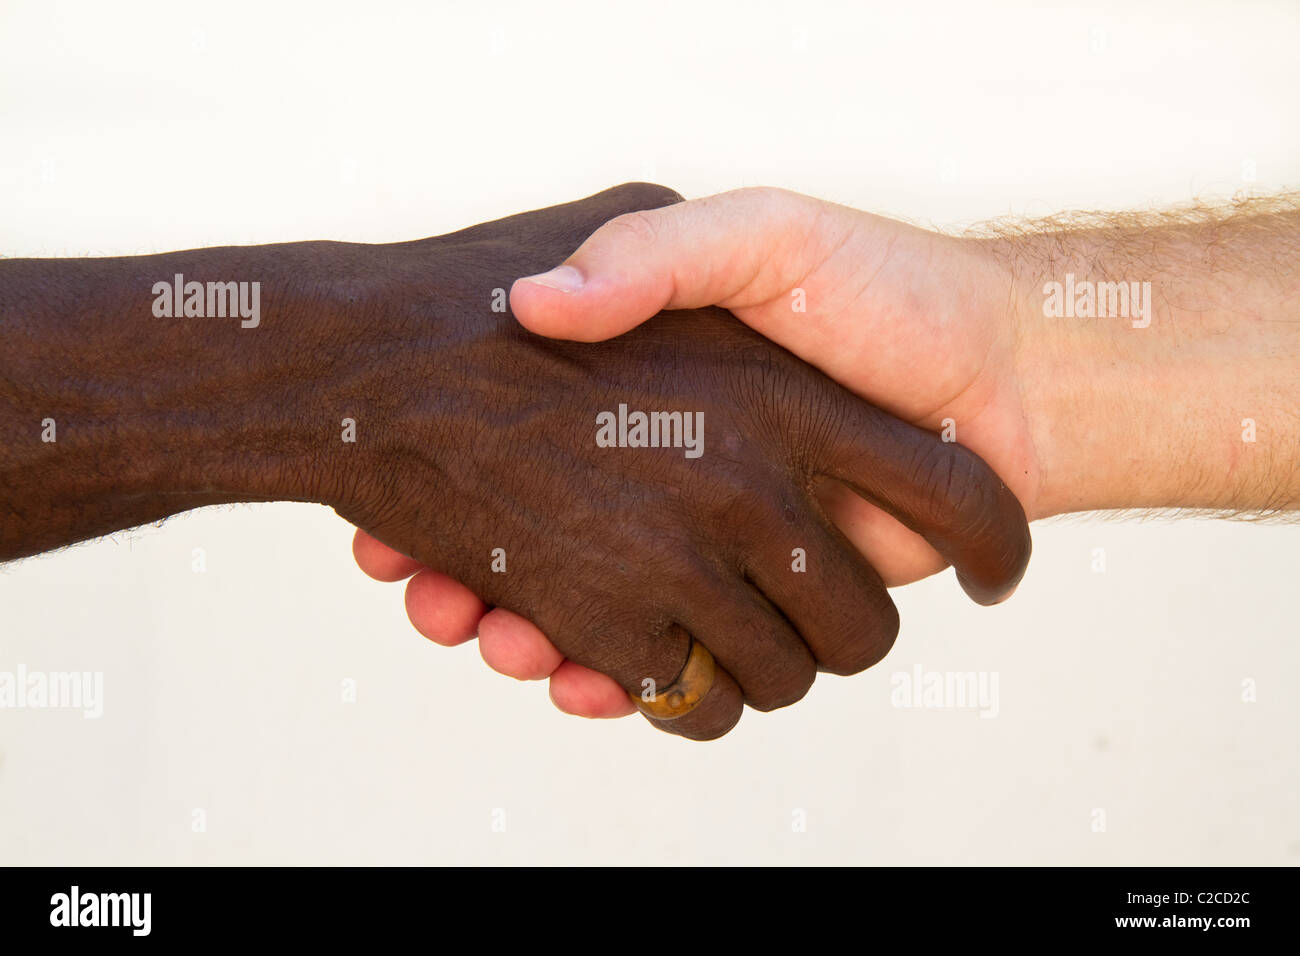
621 555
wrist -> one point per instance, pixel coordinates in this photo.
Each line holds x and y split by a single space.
247 407
1160 404
227 384
1092 400
332 372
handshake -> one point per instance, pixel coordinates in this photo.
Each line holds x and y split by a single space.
667 454
664 518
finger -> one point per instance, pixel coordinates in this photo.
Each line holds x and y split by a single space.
833 597
769 661
583 692
899 554
652 667
735 249
714 716
513 646
443 609
941 490
380 561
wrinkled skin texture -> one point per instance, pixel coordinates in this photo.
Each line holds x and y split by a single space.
476 435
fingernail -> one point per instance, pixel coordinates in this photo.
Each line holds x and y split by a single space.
561 278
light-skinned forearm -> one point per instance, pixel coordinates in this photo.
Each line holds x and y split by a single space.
1194 404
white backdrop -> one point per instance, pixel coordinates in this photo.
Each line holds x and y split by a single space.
1121 735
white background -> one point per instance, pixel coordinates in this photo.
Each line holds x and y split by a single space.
139 127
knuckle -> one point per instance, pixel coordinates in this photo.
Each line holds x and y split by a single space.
779 669
787 685
861 648
759 197
646 195
640 226
733 494
592 634
769 204
798 413
958 490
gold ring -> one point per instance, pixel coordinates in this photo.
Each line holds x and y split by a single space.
686 692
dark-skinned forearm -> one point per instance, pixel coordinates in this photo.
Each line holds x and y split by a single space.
113 416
